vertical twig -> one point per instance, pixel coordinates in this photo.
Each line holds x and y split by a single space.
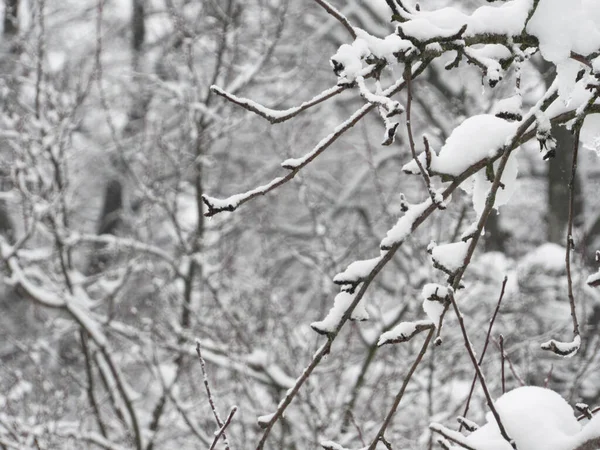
411 141
430 382
482 381
501 338
570 243
211 401
510 364
224 427
485 346
549 376
400 394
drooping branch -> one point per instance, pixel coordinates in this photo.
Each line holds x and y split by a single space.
294 165
274 115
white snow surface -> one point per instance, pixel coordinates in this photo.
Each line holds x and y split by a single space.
563 27
384 48
477 138
451 256
590 133
510 105
434 310
508 18
536 418
350 56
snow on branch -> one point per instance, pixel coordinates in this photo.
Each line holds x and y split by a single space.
451 435
356 272
392 107
341 304
216 206
565 349
404 332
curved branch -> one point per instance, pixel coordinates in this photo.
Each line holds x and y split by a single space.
338 16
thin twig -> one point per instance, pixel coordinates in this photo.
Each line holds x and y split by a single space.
224 427
510 364
411 141
549 376
400 393
502 374
392 247
485 346
211 401
482 381
451 435
295 165
570 232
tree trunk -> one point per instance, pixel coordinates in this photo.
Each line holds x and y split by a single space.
110 220
138 31
11 22
559 175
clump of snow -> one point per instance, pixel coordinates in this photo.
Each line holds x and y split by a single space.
384 48
348 60
263 421
404 226
450 256
434 310
508 18
477 138
564 27
509 108
341 303
412 167
435 297
404 331
536 418
356 271
566 349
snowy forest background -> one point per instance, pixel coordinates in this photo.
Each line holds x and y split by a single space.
123 304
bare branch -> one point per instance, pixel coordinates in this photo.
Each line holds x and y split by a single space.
482 381
274 115
380 434
224 427
338 16
485 346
